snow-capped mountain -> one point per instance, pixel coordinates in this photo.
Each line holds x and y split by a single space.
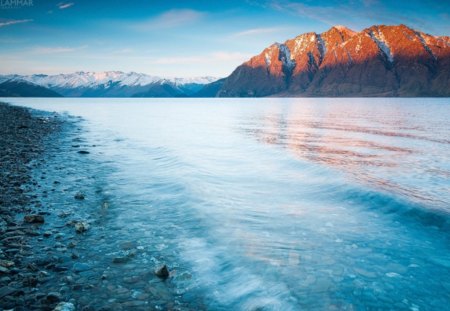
114 84
377 61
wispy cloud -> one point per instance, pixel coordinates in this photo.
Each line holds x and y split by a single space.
352 13
56 50
4 23
258 31
65 5
202 59
171 19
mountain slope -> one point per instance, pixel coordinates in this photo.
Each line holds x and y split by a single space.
18 88
210 90
378 61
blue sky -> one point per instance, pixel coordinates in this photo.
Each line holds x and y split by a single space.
182 38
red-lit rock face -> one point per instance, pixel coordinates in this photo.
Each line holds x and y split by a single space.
378 61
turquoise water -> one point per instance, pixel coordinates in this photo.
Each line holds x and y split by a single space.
280 204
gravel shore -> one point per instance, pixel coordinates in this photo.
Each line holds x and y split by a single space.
60 245
22 138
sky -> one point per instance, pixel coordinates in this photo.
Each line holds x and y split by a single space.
181 38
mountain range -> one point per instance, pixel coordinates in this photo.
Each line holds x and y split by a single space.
377 61
101 84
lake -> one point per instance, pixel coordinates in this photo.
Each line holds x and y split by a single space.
275 204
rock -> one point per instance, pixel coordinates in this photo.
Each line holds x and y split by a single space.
6 291
83 152
127 245
121 259
64 306
47 234
79 196
6 263
3 226
60 268
53 297
162 272
30 281
81 227
34 219
71 244
80 267
4 270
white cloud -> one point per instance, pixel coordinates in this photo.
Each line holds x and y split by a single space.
171 19
65 5
56 50
258 31
10 22
212 58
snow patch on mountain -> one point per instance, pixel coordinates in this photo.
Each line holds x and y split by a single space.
346 30
425 45
285 57
380 40
322 47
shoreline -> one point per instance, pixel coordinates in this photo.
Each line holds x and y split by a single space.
22 139
60 247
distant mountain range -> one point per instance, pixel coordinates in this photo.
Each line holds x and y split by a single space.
101 84
377 61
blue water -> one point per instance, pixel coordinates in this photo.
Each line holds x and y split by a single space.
280 204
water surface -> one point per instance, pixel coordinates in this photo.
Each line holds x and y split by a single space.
278 204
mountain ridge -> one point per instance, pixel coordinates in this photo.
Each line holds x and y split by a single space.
377 61
113 84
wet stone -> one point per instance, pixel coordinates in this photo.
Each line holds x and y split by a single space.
81 227
79 196
34 219
162 272
53 297
4 270
65 306
81 267
120 260
6 290
6 263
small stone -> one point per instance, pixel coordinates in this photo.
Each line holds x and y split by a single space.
80 267
79 196
64 306
127 245
121 259
81 227
71 244
393 275
53 297
83 152
6 291
30 281
6 263
34 219
162 272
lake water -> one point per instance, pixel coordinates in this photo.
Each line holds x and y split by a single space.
278 204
